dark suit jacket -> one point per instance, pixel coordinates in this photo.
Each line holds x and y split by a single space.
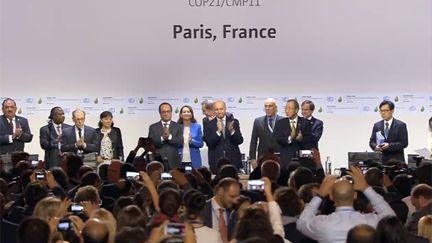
116 140
262 135
219 147
207 216
17 144
316 129
48 142
167 149
281 133
69 140
397 139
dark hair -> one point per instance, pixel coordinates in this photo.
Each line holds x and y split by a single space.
103 171
180 119
390 230
121 203
422 190
52 112
87 193
226 183
194 201
103 115
305 192
131 216
255 222
206 173
129 234
403 184
33 230
164 103
401 210
423 173
289 202
270 169
84 169
310 103
18 156
302 176
8 99
73 164
387 102
169 202
34 192
362 233
60 177
124 168
228 171
90 178
374 177
296 104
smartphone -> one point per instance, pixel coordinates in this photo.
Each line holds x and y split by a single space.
76 208
175 229
256 185
166 176
35 163
40 175
64 225
188 168
131 175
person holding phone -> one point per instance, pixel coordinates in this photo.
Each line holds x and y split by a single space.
192 137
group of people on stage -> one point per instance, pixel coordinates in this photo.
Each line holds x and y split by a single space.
180 141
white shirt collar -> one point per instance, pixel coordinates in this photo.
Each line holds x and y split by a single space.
389 122
163 122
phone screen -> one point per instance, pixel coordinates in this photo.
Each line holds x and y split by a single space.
255 185
132 175
175 230
166 176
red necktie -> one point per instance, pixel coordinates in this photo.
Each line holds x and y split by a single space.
222 226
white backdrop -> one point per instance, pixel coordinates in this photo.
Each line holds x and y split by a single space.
122 55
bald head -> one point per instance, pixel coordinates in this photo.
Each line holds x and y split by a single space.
361 234
343 192
95 231
270 107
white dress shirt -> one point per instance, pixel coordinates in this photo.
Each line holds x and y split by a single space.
334 227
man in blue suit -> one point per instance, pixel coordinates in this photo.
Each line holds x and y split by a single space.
223 137
80 138
290 133
14 130
389 136
50 137
316 125
167 136
262 131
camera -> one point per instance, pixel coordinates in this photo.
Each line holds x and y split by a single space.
175 229
255 185
131 175
305 154
64 225
35 163
166 176
76 208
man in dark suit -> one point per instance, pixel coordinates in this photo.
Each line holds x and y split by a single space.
80 138
389 136
218 212
290 132
316 125
167 137
262 131
14 130
223 137
50 137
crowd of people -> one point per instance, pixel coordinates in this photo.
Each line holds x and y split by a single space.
166 195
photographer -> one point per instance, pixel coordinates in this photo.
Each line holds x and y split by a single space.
148 146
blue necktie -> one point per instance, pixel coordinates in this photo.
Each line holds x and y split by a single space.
386 130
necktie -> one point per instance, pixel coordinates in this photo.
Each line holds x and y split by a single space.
165 126
79 133
11 130
270 122
293 129
386 130
58 129
222 225
223 127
